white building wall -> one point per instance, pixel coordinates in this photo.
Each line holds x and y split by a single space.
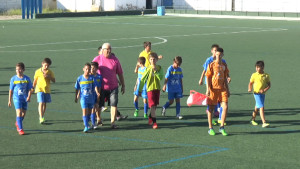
217 5
75 5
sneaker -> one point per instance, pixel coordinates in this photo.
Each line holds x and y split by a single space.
103 109
121 117
145 115
17 126
163 111
179 117
214 123
211 132
136 113
21 132
95 127
150 121
222 130
253 123
42 120
154 126
100 123
220 121
113 126
264 125
86 129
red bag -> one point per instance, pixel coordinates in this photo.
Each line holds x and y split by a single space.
196 98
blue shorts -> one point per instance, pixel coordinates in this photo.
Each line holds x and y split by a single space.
144 93
20 104
43 97
85 105
259 100
174 95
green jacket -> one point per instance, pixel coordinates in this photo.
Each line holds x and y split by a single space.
152 78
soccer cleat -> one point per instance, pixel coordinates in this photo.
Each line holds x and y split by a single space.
211 132
163 111
42 120
145 115
21 132
136 113
253 123
154 126
150 121
214 123
113 126
121 117
264 125
220 121
86 129
222 130
103 109
100 123
179 117
17 126
95 127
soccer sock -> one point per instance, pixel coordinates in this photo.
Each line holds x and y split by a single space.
220 114
88 117
136 105
85 121
22 118
19 122
216 108
166 105
93 119
207 108
145 108
177 109
154 119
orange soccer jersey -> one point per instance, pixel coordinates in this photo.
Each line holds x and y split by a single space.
218 74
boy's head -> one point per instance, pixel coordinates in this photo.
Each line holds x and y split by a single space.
46 63
214 48
177 62
94 67
153 58
260 65
141 61
87 69
147 46
219 53
20 68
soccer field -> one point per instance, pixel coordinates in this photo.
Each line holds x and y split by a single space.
71 42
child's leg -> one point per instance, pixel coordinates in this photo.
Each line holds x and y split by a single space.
209 115
177 107
224 113
262 114
85 113
42 109
136 102
152 112
19 118
254 113
145 106
97 112
93 116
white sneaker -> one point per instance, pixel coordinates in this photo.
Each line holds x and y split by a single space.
180 117
163 111
103 109
94 127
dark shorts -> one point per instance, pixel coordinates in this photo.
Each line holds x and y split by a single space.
111 95
153 98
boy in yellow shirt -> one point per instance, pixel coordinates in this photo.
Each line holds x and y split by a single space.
41 83
260 82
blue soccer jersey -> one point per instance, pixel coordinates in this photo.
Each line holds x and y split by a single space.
86 87
98 80
20 87
174 77
140 75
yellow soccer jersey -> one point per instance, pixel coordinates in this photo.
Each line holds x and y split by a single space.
146 56
42 83
260 81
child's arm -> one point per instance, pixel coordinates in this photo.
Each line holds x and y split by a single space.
208 85
9 97
160 57
181 85
201 78
227 88
76 95
97 91
250 85
29 95
165 85
228 79
34 83
158 72
136 68
136 83
266 89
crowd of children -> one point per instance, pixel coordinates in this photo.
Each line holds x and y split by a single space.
88 89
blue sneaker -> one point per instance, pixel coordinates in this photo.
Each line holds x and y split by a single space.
86 129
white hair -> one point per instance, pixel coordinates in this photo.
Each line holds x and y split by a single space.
106 45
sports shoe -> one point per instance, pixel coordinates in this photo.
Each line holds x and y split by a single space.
211 132
95 127
253 123
179 117
103 109
42 120
21 132
163 111
214 123
121 117
145 115
264 125
17 126
150 121
222 130
154 126
86 129
113 126
220 121
136 113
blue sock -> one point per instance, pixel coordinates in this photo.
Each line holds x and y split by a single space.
136 105
88 117
216 108
85 121
145 108
207 108
177 109
22 118
93 118
220 115
19 122
166 105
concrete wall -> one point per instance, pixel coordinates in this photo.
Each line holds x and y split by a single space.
75 5
218 5
120 5
268 5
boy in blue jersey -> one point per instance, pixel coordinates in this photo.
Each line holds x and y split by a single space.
218 108
140 69
174 86
20 88
96 110
85 85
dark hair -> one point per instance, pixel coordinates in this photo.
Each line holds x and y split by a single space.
21 65
87 64
214 46
99 48
47 60
147 43
178 59
95 64
260 63
153 55
220 50
142 60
